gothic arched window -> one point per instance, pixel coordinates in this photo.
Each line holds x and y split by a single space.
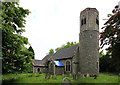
68 66
83 21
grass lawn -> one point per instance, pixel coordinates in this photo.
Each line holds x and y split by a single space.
40 78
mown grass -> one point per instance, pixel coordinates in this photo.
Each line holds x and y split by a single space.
40 78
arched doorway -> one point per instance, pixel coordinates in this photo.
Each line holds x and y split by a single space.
38 70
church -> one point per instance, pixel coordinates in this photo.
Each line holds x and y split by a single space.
82 58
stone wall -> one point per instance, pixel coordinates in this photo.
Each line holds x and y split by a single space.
59 70
89 42
89 52
64 63
42 69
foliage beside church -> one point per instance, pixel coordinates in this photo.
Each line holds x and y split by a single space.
111 37
15 56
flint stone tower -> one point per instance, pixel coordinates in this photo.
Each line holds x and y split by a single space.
89 42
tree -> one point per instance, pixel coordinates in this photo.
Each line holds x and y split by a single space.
101 54
111 35
51 51
108 63
68 44
31 49
15 56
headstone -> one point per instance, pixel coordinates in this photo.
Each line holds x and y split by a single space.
95 76
87 75
119 74
63 74
40 72
70 74
54 76
79 75
47 76
83 76
74 76
66 81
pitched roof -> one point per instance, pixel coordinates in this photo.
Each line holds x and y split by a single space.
39 63
61 54
65 53
47 57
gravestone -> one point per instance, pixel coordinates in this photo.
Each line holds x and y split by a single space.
66 81
63 74
40 72
119 74
87 75
74 76
79 75
95 76
83 76
54 76
70 74
47 76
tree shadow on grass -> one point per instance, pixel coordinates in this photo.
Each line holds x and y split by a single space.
7 82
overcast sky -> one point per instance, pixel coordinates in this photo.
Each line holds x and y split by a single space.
52 23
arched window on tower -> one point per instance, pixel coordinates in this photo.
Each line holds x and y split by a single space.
68 66
97 21
83 21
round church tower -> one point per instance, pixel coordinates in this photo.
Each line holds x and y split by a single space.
89 42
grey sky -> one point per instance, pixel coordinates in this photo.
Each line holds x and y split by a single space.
52 23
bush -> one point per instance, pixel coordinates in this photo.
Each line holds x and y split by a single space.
108 63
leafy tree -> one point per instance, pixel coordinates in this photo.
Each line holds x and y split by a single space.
51 51
116 55
31 49
111 35
101 54
66 46
15 56
107 63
